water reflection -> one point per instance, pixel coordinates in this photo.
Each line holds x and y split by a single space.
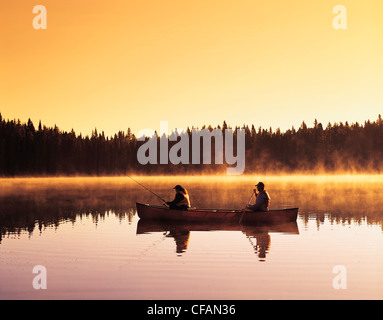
258 236
339 224
260 239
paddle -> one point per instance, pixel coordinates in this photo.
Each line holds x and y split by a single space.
240 220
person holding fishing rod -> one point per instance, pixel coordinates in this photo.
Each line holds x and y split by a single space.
262 202
181 200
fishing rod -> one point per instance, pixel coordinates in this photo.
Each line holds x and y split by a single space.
148 189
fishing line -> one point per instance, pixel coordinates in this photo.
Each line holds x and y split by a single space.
147 189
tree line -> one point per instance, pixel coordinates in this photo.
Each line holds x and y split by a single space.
26 150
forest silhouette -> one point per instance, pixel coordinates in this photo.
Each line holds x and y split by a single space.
45 151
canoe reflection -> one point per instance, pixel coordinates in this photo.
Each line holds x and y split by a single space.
258 236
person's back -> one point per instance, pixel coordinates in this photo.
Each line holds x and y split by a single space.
263 201
181 200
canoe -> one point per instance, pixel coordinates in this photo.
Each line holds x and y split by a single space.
153 212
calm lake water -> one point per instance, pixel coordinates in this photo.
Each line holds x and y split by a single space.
86 233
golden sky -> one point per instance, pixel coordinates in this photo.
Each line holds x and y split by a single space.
132 63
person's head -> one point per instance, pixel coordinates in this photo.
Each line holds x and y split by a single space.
260 186
179 188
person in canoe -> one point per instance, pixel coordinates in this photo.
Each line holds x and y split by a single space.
262 201
181 200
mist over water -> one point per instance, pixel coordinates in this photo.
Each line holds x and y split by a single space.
355 194
70 224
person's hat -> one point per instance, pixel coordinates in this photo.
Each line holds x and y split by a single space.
260 184
178 187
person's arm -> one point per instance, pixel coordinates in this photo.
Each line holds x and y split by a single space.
177 199
258 202
253 207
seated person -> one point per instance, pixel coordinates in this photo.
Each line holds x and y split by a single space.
262 202
181 200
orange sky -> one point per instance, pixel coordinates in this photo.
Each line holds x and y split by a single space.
117 64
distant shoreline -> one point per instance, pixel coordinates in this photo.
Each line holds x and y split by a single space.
45 152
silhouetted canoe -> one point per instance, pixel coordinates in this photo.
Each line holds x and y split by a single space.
152 212
152 226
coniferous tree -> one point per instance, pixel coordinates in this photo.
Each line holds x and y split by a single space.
50 151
